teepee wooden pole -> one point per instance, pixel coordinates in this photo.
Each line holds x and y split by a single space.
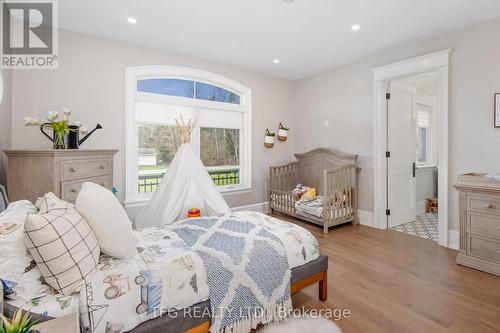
185 129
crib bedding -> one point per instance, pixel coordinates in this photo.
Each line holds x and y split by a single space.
311 207
166 273
314 208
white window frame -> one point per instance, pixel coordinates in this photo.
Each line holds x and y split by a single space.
429 102
133 74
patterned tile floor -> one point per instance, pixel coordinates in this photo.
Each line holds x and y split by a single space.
425 226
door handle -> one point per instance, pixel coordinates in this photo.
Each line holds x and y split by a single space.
414 169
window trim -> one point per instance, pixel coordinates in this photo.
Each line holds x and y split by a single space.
134 73
429 102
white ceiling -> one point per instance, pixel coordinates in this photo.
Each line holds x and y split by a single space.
308 36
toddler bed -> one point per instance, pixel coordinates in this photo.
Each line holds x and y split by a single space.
334 176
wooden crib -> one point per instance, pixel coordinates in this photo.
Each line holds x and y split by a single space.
332 173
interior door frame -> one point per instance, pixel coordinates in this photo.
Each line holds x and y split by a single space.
436 61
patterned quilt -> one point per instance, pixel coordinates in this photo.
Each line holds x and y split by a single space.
167 274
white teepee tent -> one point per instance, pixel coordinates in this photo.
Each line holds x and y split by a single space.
185 185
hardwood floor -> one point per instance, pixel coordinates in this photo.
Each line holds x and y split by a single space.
392 282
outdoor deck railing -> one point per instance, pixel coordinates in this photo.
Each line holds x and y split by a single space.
149 183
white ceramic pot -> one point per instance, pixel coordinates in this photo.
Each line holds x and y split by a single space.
282 134
269 141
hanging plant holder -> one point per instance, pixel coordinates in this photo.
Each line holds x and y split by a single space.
283 133
269 139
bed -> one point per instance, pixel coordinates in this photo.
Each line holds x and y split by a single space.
302 277
121 295
334 176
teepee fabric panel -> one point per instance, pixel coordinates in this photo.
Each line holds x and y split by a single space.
185 185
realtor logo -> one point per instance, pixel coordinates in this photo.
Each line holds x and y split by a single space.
29 34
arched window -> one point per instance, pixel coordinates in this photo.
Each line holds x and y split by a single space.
156 96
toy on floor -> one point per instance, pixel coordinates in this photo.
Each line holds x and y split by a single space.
432 205
194 212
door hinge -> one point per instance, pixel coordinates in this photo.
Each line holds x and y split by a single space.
388 96
387 212
387 154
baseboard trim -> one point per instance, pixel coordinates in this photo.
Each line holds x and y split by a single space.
454 239
366 218
261 207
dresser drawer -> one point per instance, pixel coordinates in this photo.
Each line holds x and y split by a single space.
486 224
483 203
76 169
70 189
483 248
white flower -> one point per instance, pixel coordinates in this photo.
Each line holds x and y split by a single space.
28 121
66 113
77 123
83 130
52 116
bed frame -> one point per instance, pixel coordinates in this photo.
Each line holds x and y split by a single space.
332 173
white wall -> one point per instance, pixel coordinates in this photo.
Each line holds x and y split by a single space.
91 82
5 122
345 97
426 83
426 185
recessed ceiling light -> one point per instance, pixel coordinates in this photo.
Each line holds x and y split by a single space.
132 20
355 27
287 1
276 61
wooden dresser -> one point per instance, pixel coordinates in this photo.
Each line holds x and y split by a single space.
479 222
32 173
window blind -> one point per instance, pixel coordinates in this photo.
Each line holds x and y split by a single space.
423 118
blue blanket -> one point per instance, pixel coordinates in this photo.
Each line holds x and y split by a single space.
247 270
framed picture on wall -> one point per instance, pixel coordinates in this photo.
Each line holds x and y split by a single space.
497 110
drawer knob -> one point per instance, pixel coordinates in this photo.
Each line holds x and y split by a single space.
72 170
73 190
488 206
103 167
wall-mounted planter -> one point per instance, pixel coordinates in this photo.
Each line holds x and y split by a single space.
269 139
283 133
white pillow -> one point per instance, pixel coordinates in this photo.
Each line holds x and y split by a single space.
17 209
108 220
16 264
63 246
50 202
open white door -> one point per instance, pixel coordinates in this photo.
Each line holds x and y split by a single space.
401 143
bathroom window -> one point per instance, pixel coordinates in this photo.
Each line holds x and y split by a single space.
424 123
